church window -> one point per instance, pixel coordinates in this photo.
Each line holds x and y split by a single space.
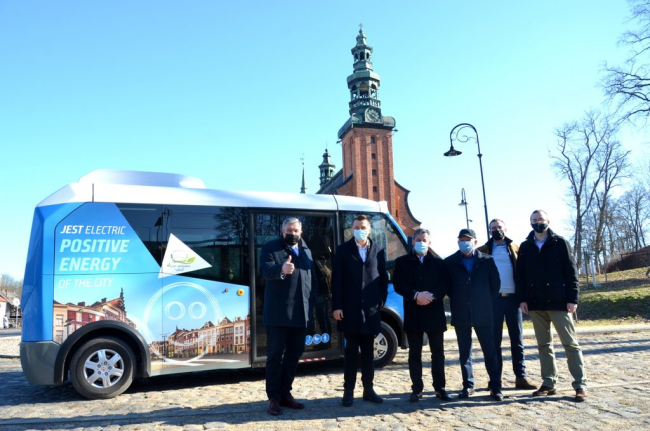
374 172
372 141
373 156
374 189
367 56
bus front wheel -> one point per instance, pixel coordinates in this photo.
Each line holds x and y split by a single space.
385 346
102 368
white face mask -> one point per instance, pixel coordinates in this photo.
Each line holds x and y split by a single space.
421 247
360 234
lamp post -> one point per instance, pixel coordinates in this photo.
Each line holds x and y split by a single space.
463 203
454 152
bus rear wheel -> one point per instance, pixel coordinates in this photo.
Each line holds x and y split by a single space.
102 368
385 346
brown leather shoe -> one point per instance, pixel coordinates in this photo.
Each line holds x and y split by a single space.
524 383
581 395
544 391
290 401
274 407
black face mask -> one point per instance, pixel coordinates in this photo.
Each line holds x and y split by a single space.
291 239
539 227
498 234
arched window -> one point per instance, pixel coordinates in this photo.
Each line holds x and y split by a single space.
373 156
374 172
372 141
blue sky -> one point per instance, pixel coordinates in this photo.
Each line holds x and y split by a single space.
236 92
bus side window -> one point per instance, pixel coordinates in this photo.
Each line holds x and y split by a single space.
146 221
219 235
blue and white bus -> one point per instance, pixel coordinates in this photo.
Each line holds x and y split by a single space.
136 274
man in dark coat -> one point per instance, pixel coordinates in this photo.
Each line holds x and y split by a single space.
475 283
359 290
291 283
547 289
422 279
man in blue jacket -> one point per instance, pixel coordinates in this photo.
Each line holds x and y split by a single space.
475 283
359 290
547 289
287 266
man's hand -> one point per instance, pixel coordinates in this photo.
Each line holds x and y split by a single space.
524 307
424 298
288 267
571 308
337 314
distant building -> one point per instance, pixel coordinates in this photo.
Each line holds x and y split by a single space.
367 142
69 317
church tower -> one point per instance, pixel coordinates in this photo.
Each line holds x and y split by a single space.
367 142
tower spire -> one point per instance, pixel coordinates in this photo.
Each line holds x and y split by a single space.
326 168
303 189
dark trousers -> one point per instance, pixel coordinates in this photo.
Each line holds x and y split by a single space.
436 342
353 344
485 335
507 306
285 346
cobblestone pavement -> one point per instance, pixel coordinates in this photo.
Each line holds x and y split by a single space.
618 367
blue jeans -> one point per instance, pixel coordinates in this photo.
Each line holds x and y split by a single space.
507 306
485 335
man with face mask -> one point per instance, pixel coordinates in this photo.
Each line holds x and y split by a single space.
547 289
422 279
505 305
290 293
475 283
359 290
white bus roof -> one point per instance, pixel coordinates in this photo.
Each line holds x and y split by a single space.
121 186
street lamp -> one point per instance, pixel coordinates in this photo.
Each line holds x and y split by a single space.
454 152
463 203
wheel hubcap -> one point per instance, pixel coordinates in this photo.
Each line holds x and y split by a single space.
381 346
103 368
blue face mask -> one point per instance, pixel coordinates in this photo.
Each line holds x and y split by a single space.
466 247
420 247
360 235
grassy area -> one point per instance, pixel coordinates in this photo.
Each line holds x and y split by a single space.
623 299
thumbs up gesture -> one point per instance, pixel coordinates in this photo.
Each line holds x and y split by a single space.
288 267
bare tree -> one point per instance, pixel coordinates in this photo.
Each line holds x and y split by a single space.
613 165
634 214
580 158
627 86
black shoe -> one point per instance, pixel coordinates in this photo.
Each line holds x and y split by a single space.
348 396
290 401
274 407
415 397
496 394
370 395
466 393
443 395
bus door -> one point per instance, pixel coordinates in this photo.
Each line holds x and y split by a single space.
322 339
206 294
